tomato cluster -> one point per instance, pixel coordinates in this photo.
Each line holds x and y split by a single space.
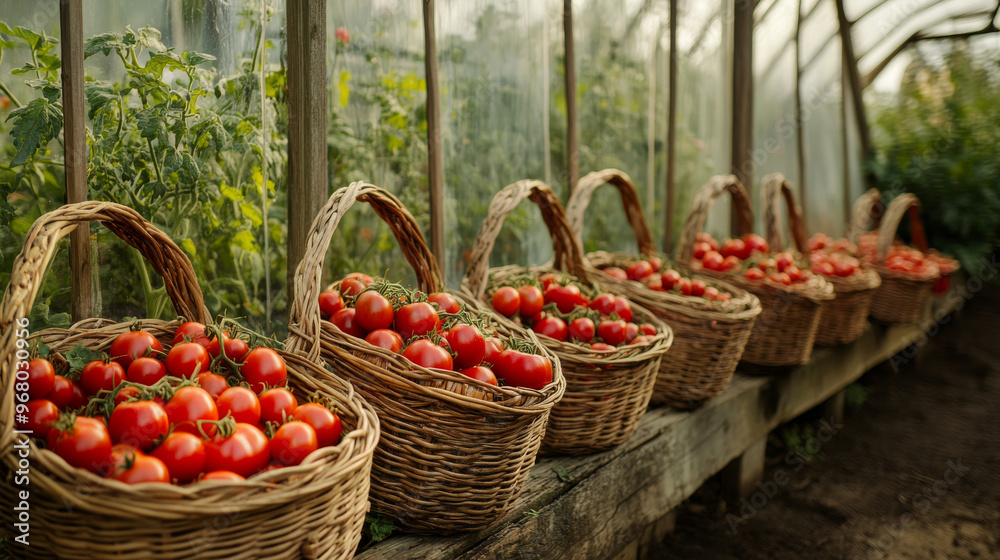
556 306
750 254
433 331
650 272
907 260
833 257
199 410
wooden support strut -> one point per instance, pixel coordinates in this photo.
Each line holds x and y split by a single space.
435 149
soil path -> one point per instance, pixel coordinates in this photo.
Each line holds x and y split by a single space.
913 474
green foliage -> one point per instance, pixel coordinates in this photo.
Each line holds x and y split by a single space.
856 395
939 138
796 436
377 528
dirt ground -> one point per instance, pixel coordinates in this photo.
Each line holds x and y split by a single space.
914 473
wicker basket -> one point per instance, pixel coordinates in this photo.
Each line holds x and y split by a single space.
314 510
784 332
903 297
845 318
454 451
709 336
607 392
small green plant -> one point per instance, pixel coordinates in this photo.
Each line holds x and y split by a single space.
377 528
856 395
796 437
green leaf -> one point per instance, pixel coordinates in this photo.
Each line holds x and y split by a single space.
230 192
80 356
159 61
6 210
245 240
149 37
345 91
34 40
562 474
102 42
251 213
188 246
192 58
150 124
35 125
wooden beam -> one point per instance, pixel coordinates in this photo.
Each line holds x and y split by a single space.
845 146
572 130
854 80
741 475
800 141
954 36
75 144
435 148
742 164
870 77
668 234
308 182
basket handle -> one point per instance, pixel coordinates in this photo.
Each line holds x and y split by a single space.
568 254
580 199
776 186
703 201
866 214
304 314
905 203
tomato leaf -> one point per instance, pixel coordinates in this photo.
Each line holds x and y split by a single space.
35 125
80 356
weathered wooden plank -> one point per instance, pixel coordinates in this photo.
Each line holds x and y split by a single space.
75 150
612 498
435 145
572 125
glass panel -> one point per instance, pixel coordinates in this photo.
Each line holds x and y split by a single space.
817 31
194 148
855 8
704 106
499 76
959 25
32 181
622 63
378 127
884 29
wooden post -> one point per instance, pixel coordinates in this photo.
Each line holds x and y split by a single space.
668 236
572 133
854 79
308 182
832 409
741 475
75 141
435 164
742 141
800 142
845 146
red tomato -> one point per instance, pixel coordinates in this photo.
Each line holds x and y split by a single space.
138 423
656 263
183 454
730 262
823 268
697 288
292 443
373 311
616 273
146 371
41 376
638 270
326 424
603 304
735 248
654 282
364 278
781 278
582 329
192 331
277 404
346 321
669 279
506 301
493 350
602 347
640 340
130 345
85 445
386 338
330 302
783 261
481 373
701 249
236 349
416 319
63 392
244 452
352 287
213 383
612 332
754 274
711 293
647 329
844 268
523 370
552 327
188 359
468 344
425 353
101 376
532 300
565 297
767 264
446 302
144 469
754 242
264 368
794 273
631 331
548 278
187 406
684 285
41 414
712 260
241 403
706 238
223 476
126 394
623 309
